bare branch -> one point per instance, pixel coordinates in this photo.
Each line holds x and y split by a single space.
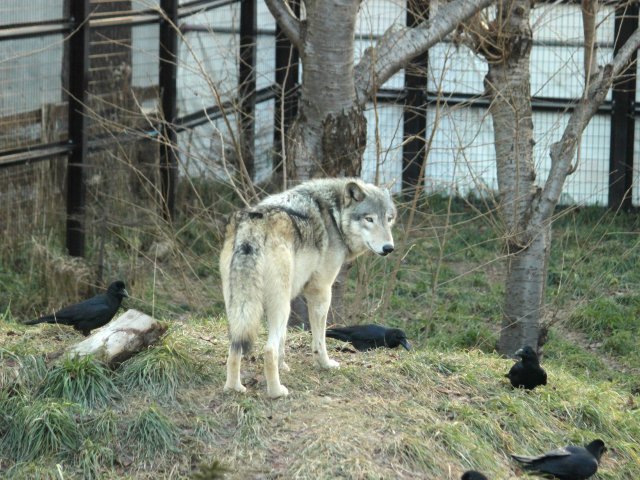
400 44
563 151
287 20
589 10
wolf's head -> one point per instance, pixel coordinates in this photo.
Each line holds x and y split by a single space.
369 214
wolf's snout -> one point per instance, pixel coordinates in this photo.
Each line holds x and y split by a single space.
387 249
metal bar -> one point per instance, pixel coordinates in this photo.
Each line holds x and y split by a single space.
78 81
16 32
191 8
195 119
415 109
559 105
34 154
247 83
169 91
287 69
622 116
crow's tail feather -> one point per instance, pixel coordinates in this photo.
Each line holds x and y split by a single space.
338 335
48 319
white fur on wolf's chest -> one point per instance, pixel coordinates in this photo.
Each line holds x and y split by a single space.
307 264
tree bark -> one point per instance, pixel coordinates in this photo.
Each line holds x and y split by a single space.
507 84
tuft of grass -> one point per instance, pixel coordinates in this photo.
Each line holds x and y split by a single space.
25 372
207 429
103 426
93 457
41 427
151 433
250 420
80 379
160 370
210 471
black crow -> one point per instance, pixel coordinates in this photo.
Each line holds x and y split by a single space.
473 475
367 337
567 463
89 314
527 373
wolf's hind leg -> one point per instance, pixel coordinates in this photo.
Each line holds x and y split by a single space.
233 371
318 302
277 308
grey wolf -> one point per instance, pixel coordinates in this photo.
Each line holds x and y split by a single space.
527 373
367 337
566 463
290 243
91 313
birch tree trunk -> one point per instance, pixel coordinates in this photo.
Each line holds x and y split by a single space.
507 84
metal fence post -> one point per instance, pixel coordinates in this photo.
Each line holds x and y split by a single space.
286 77
623 114
78 86
247 82
415 113
168 74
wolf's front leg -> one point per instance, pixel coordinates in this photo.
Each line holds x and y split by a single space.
318 302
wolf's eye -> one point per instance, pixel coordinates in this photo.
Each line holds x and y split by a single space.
369 219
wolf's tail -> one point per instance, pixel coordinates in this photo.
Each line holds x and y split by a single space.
245 286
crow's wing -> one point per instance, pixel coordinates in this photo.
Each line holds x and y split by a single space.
516 371
361 332
90 308
557 453
338 334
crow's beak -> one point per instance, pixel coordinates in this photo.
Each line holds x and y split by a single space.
405 344
125 293
518 353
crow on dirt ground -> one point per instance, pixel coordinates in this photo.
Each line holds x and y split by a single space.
89 314
473 475
367 337
527 373
567 463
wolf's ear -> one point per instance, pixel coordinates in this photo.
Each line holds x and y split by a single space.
353 191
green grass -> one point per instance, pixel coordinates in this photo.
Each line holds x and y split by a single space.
161 370
434 412
81 380
151 433
40 428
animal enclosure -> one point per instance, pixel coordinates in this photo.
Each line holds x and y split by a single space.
107 107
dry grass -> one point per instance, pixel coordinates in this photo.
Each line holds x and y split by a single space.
383 414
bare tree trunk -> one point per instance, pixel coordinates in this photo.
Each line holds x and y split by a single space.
507 84
329 136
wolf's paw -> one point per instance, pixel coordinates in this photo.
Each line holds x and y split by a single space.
235 387
327 363
277 392
284 367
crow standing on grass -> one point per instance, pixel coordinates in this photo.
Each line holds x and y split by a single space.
473 475
367 337
89 314
567 463
527 373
